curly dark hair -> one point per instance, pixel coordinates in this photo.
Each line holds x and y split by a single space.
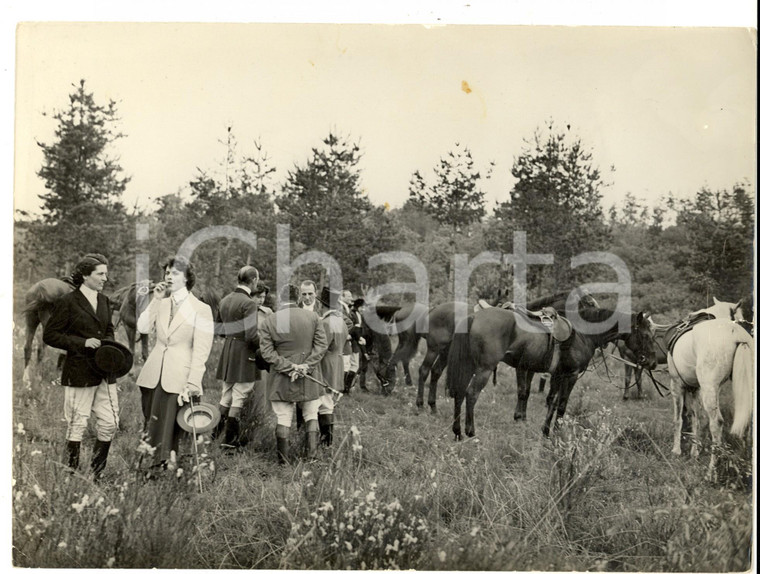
181 264
261 287
86 266
289 293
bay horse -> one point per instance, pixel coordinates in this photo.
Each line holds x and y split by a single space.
700 361
39 300
719 310
495 335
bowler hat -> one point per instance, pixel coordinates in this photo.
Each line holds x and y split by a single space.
112 359
203 416
329 298
358 302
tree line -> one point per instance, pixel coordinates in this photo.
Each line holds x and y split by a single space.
680 253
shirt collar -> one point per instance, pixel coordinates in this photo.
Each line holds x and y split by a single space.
180 295
91 294
245 288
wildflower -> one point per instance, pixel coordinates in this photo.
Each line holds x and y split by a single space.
283 509
326 506
370 497
34 452
20 429
39 492
442 556
474 531
100 501
355 431
348 546
306 474
112 511
356 447
145 448
432 474
110 561
79 507
417 497
373 485
180 472
62 544
434 485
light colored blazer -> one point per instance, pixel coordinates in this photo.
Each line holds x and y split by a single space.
182 348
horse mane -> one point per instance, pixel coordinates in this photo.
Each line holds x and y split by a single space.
536 304
595 314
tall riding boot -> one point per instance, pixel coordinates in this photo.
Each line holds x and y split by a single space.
219 429
348 382
99 457
231 438
72 451
312 439
282 434
325 429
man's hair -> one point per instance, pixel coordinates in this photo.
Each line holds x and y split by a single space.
289 293
181 264
86 266
310 283
247 275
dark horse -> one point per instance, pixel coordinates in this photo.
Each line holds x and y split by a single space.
436 326
38 304
495 335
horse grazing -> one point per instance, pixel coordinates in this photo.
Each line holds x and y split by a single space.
719 310
699 362
499 335
38 305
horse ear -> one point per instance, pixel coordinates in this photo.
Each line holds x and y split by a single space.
715 300
738 304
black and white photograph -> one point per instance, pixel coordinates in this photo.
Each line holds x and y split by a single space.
434 289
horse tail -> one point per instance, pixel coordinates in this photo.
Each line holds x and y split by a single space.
460 366
743 378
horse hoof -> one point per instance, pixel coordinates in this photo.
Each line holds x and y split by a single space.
433 410
625 398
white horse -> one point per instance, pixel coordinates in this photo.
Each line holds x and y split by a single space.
700 362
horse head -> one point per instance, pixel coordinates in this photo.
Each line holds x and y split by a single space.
641 342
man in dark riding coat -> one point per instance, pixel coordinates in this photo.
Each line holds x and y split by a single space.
355 339
239 316
79 322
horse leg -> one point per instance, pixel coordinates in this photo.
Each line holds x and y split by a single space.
564 396
457 426
32 322
407 374
524 379
435 374
677 391
551 401
639 373
542 381
627 384
692 401
422 376
709 396
479 380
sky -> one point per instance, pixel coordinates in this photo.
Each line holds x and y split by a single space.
671 109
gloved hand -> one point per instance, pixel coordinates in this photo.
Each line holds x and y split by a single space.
362 341
187 392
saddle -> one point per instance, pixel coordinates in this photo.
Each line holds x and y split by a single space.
680 329
560 328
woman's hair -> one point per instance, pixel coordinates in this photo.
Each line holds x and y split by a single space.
86 266
181 264
261 288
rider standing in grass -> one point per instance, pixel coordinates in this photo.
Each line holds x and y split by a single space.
293 342
79 322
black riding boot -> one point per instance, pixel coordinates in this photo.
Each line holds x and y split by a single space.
363 380
326 429
312 439
217 432
99 457
348 382
231 433
282 434
72 451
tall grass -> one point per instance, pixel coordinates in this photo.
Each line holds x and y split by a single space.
393 492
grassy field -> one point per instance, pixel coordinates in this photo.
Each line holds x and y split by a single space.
394 492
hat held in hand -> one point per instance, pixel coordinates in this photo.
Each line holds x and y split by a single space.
112 359
203 416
